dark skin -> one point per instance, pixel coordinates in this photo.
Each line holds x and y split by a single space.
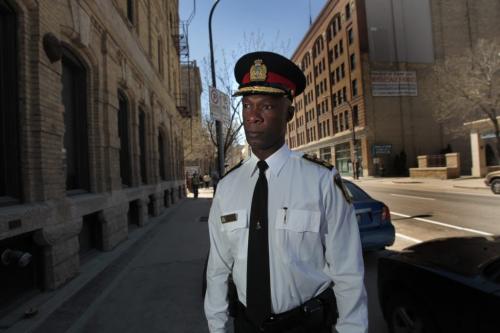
264 119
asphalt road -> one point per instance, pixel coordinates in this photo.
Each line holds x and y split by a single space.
421 213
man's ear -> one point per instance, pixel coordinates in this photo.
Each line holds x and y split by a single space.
291 111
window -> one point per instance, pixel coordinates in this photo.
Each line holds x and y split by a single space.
353 61
330 56
10 175
341 46
332 78
355 114
354 87
328 127
339 97
130 11
341 121
123 112
350 36
336 50
74 95
344 94
161 161
334 102
335 123
348 11
160 57
346 118
142 144
342 70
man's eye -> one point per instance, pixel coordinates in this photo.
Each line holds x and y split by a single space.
268 107
246 106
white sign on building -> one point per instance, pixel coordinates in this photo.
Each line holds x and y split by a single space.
394 83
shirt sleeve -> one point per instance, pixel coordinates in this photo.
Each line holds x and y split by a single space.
344 258
219 266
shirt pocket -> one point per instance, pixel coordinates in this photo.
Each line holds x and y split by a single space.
297 232
237 232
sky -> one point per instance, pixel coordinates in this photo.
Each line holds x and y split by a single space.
280 25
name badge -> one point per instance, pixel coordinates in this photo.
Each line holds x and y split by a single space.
229 218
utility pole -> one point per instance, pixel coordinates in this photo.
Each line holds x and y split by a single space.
218 125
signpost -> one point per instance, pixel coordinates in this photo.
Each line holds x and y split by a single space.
219 105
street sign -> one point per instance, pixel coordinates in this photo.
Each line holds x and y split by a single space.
381 149
219 105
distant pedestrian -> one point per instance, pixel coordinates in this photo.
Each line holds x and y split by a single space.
206 180
195 183
215 180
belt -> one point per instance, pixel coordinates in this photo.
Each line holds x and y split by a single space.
319 310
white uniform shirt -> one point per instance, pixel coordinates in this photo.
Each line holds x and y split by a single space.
313 240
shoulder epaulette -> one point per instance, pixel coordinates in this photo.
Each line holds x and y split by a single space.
340 184
234 168
316 160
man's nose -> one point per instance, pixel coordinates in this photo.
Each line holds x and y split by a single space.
253 114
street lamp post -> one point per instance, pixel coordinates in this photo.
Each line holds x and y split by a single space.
218 125
354 158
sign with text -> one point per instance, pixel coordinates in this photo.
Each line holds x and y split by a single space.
394 83
219 105
381 149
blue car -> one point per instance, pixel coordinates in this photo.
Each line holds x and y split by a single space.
374 219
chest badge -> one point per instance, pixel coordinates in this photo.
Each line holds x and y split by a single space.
229 218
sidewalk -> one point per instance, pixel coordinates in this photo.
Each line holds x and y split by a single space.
149 283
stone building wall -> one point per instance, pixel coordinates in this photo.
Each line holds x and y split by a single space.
123 51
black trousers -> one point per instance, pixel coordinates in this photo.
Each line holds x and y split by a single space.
243 325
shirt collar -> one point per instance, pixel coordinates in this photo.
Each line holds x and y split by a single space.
275 162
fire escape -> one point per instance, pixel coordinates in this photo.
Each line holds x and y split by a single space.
183 99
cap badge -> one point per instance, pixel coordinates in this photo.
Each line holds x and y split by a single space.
258 71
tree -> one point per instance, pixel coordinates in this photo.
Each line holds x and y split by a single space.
469 87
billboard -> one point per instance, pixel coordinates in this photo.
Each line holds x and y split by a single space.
394 83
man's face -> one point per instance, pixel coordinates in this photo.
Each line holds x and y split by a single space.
264 119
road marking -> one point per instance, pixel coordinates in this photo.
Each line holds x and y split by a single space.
411 196
414 240
445 224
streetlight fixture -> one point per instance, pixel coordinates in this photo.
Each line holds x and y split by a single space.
218 125
354 158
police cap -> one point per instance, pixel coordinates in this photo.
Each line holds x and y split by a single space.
268 73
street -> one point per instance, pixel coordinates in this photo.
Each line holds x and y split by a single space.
155 286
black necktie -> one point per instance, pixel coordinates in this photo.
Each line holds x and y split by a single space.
258 276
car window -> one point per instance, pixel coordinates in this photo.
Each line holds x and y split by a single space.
492 271
356 193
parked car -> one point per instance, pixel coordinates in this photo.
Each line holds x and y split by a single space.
444 285
374 219
493 181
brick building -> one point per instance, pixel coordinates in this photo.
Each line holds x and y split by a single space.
368 66
90 144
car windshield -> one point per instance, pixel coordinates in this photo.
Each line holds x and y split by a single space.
356 193
492 271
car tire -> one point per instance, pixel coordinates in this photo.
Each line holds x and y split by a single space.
406 314
495 186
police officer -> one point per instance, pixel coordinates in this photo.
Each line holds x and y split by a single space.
281 223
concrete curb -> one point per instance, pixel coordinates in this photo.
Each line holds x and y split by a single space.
48 302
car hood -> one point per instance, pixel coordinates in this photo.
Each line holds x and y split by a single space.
461 255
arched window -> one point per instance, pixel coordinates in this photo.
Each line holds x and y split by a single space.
74 96
161 161
10 175
142 144
123 134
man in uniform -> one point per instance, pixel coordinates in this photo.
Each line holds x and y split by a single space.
281 223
